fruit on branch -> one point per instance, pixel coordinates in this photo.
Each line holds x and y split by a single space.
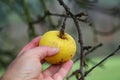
66 45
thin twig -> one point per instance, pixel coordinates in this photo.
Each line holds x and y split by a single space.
90 51
63 28
48 13
39 19
46 10
107 57
58 15
94 48
76 72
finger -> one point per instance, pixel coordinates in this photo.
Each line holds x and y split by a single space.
32 44
63 70
50 71
42 52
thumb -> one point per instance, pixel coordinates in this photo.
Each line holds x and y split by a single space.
42 52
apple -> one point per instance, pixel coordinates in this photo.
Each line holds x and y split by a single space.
66 45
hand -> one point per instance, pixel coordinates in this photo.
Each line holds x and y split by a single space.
28 64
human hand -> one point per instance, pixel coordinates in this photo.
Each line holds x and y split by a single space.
28 64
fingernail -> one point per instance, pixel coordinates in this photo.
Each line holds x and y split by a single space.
55 50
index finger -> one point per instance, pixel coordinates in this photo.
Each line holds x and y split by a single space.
34 43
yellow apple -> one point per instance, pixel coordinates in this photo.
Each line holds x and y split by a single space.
66 45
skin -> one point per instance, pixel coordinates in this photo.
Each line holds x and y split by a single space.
28 64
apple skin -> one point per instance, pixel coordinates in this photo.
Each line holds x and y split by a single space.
66 45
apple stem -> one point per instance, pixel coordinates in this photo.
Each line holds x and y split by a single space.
62 33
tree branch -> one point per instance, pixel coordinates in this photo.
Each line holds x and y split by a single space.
79 37
31 30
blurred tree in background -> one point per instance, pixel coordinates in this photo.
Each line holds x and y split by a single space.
22 20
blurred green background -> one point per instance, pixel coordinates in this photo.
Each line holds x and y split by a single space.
17 29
